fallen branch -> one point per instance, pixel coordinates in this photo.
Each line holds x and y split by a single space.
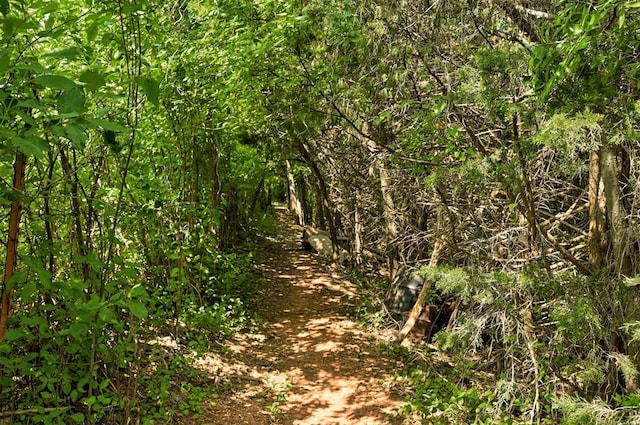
415 312
33 411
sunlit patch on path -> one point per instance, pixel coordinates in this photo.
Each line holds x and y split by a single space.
309 364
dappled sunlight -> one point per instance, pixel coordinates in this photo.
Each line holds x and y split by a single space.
309 364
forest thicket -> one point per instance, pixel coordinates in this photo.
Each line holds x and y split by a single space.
491 145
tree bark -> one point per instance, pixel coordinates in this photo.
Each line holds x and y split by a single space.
597 209
295 203
324 198
609 164
357 230
6 296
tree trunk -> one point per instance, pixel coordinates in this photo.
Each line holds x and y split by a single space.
323 195
597 210
6 295
357 230
610 169
295 203
389 214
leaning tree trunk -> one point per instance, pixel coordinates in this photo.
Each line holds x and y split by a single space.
323 194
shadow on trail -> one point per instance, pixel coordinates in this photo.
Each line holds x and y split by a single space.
310 363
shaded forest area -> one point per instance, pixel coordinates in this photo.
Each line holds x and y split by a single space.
489 146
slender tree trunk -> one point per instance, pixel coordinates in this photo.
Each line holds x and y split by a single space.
295 203
6 296
324 198
257 194
357 230
597 210
389 213
610 168
76 213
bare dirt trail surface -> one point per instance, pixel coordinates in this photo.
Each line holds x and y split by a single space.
310 363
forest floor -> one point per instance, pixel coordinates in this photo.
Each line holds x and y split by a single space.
310 362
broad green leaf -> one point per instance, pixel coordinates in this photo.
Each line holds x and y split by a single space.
92 80
137 291
632 4
91 260
76 134
71 100
5 60
77 417
14 334
55 82
108 125
28 119
17 277
107 315
132 8
78 330
70 53
4 7
151 89
138 309
32 146
28 292
30 103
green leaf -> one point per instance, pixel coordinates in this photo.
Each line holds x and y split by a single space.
151 89
32 146
92 80
132 8
55 82
138 309
36 266
28 292
77 417
76 134
30 103
4 7
70 53
107 315
14 334
104 384
5 60
17 277
437 110
71 100
632 4
108 125
138 291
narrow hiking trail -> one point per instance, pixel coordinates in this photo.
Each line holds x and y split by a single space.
310 363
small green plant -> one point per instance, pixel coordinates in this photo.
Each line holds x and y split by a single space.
281 389
445 402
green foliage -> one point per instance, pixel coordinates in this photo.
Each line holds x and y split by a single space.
441 401
533 328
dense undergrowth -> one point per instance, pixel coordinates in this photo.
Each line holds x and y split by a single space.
145 339
519 348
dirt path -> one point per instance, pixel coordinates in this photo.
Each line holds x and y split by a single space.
309 364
